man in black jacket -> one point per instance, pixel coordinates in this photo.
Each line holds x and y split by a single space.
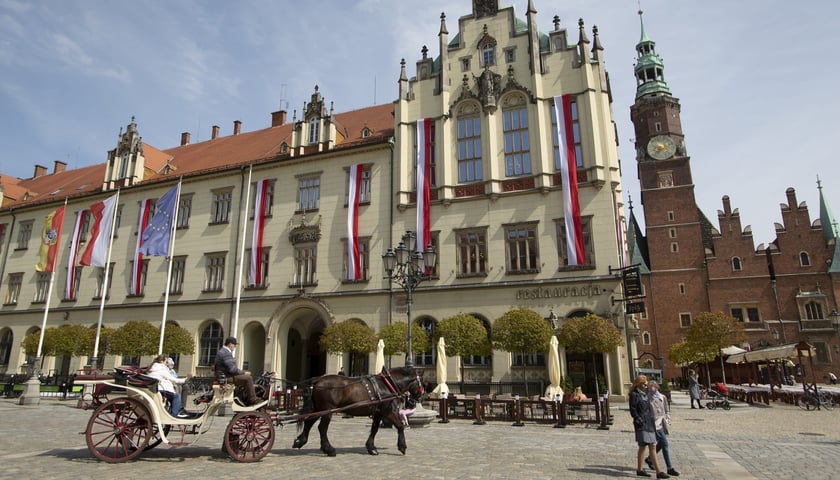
225 363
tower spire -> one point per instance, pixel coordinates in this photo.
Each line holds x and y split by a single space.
649 68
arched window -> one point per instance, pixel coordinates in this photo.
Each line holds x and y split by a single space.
209 343
646 338
6 347
804 259
427 358
736 264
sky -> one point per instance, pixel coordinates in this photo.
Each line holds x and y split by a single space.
756 78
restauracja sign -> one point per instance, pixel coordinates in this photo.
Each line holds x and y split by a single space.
559 292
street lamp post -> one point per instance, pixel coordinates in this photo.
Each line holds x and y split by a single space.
408 266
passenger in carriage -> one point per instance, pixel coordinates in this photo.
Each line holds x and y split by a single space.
226 364
160 371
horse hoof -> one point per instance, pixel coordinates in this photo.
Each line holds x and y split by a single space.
297 444
331 454
373 451
402 450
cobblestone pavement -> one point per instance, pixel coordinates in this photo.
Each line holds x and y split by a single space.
748 442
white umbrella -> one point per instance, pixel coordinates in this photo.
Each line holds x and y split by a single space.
441 369
554 387
380 357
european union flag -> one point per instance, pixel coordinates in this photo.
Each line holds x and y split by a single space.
157 234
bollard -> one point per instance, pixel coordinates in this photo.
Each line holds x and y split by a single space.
444 408
478 419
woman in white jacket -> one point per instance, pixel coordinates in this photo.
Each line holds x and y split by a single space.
661 413
160 371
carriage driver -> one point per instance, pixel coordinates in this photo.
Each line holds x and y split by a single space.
243 380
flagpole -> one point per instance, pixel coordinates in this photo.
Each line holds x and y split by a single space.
169 268
107 272
49 294
242 255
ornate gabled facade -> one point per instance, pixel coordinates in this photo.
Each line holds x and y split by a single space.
783 292
496 213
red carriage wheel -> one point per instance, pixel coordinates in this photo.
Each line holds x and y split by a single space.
119 430
249 436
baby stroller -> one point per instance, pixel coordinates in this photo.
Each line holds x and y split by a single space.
717 400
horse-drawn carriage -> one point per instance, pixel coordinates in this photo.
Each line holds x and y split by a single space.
124 427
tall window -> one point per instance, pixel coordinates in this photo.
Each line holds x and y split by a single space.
42 285
179 269
517 146
103 287
804 259
184 211
813 311
586 224
469 149
264 262
575 135
522 252
214 271
472 252
6 346
314 130
306 257
209 342
488 54
13 289
269 199
364 259
427 358
77 279
432 161
364 187
144 270
24 234
220 208
309 193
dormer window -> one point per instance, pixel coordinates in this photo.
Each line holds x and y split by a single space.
366 132
314 130
284 148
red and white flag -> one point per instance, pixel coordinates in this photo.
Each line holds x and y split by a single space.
70 284
424 177
256 276
354 258
96 252
568 174
136 287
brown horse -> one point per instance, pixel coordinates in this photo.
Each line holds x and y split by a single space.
377 396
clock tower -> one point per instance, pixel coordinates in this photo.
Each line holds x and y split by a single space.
676 232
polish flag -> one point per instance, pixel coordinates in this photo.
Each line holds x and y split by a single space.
136 288
70 284
568 174
256 276
100 234
354 258
424 174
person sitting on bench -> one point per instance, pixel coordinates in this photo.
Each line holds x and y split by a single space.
243 380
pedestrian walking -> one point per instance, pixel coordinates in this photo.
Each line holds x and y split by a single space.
661 412
694 388
644 427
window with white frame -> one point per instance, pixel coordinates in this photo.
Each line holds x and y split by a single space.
24 234
220 206
804 259
469 148
736 264
269 199
488 54
517 145
472 252
42 285
209 342
309 193
13 288
522 252
103 287
813 311
364 260
364 187
214 271
179 269
144 270
184 211
77 280
314 130
576 136
685 320
589 251
264 263
306 257
432 161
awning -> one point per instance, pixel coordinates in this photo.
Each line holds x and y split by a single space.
765 354
733 350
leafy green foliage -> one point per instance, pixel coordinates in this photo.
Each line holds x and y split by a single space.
135 338
177 340
464 335
521 331
589 334
682 354
395 337
711 331
348 336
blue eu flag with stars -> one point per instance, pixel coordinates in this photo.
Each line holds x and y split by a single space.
156 236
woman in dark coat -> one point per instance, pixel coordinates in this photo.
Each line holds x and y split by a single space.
694 388
644 427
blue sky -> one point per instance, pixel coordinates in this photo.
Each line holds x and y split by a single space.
756 78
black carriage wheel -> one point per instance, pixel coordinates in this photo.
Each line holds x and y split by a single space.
155 438
249 436
711 405
119 430
726 406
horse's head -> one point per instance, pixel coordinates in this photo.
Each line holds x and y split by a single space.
408 381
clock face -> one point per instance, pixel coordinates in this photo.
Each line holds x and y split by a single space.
661 147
